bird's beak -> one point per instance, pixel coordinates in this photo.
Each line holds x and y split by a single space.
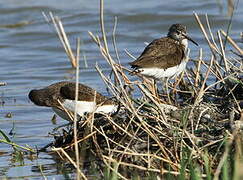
190 39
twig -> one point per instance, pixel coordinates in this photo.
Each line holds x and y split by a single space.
76 108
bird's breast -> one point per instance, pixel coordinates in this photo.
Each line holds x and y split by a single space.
184 42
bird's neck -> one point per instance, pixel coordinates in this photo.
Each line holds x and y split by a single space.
184 42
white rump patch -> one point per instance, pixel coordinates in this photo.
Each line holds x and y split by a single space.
106 108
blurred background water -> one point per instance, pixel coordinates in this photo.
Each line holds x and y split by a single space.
32 57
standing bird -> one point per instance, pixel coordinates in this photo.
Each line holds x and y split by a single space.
89 100
164 57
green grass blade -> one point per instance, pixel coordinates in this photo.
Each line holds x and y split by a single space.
5 136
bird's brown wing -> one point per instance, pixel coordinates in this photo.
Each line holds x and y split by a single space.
159 53
85 93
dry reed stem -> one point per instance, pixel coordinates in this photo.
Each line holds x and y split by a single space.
75 110
222 52
222 80
122 129
154 137
108 57
62 36
199 117
149 95
202 91
114 68
211 34
200 94
102 26
212 47
109 139
232 42
198 68
114 40
126 101
128 144
215 71
129 54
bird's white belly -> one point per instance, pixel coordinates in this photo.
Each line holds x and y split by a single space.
158 73
84 107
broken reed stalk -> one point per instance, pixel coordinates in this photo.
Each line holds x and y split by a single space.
62 36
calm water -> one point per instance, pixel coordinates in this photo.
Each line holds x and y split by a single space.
32 57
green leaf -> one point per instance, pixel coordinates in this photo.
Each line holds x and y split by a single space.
5 136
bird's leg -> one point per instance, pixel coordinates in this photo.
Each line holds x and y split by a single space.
177 81
167 90
155 90
151 86
147 83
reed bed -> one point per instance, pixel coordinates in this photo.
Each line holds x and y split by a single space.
191 129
